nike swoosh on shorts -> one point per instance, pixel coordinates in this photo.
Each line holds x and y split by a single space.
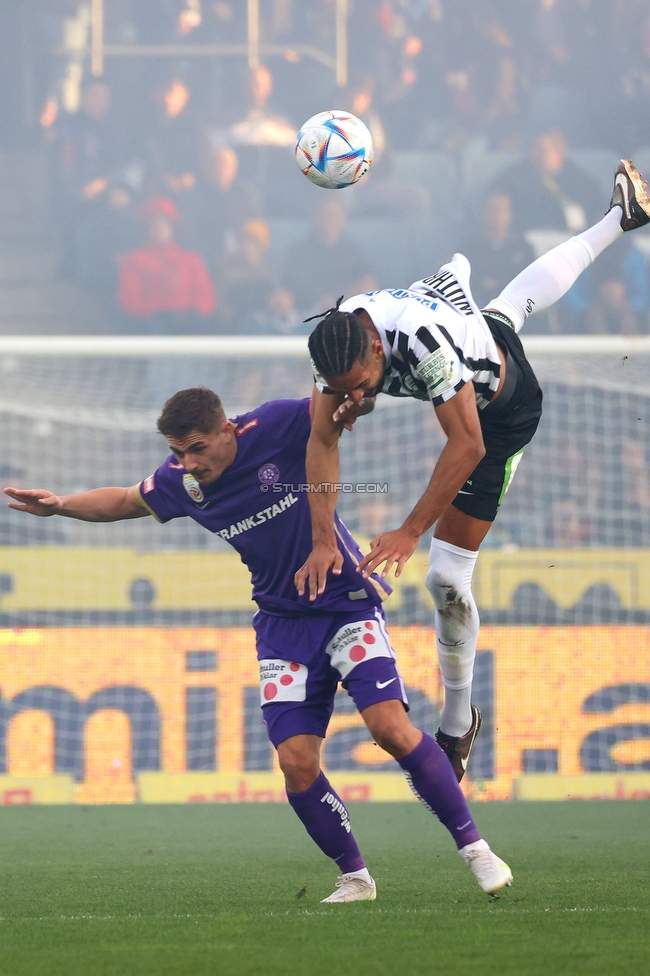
384 684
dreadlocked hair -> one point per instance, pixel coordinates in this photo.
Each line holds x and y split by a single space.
338 342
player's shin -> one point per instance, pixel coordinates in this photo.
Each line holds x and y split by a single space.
434 782
327 822
449 581
547 279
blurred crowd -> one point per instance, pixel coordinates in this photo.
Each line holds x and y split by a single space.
496 124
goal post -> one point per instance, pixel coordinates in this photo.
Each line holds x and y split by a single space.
291 347
126 649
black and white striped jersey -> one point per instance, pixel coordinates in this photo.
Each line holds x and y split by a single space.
434 337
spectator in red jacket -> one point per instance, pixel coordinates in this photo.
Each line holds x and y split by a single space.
161 284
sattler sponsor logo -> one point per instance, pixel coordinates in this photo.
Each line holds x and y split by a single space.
356 642
349 634
282 680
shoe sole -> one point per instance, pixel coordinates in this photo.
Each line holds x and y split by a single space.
627 169
347 901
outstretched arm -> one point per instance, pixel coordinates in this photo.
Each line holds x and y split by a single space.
99 505
322 467
462 452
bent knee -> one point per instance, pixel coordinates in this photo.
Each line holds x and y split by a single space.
299 771
299 766
398 739
437 579
441 587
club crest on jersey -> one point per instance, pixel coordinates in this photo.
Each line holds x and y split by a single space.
268 474
193 488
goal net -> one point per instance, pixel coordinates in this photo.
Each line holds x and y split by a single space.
126 648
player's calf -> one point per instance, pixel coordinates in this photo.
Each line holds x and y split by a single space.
432 779
324 815
449 581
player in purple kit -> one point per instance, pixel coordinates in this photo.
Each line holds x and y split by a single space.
244 481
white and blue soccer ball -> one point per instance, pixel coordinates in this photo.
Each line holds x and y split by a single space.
334 149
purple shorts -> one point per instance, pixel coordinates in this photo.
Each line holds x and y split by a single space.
302 659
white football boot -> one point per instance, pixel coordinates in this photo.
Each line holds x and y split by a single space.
356 886
489 870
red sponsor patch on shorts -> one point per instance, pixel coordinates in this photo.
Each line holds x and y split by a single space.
148 484
242 430
282 681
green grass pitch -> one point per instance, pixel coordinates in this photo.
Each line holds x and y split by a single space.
194 890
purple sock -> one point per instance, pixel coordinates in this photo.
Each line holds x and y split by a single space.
433 780
328 823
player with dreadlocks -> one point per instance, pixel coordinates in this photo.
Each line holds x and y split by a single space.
431 342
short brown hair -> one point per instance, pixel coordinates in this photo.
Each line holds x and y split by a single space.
195 409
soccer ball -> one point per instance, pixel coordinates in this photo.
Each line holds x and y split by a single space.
334 149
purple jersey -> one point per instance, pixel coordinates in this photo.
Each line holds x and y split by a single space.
257 505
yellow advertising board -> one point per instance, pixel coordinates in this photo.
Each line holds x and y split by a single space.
24 790
361 787
115 715
586 786
100 579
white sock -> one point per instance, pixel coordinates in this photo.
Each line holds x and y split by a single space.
478 845
364 874
548 278
449 581
456 715
605 232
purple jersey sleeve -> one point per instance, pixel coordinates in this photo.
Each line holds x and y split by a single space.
159 492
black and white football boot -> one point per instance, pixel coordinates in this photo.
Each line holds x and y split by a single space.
630 194
459 747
